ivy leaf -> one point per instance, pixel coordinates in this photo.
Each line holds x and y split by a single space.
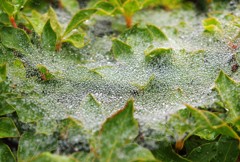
120 48
27 112
76 39
72 130
54 22
91 111
31 145
45 74
105 7
78 19
15 39
37 21
229 91
6 154
166 153
3 72
48 157
134 152
156 32
8 128
71 6
116 132
137 37
211 25
208 120
159 53
49 37
7 7
223 150
46 126
130 7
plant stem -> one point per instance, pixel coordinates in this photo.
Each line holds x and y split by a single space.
13 22
128 20
58 46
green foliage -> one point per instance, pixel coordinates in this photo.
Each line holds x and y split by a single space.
8 128
199 133
15 39
53 34
212 25
5 153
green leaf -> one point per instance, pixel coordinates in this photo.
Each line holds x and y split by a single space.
71 6
27 112
156 32
7 7
159 53
46 75
49 37
134 152
54 22
15 39
6 154
71 129
120 48
137 37
3 72
166 153
31 145
229 91
8 128
211 25
208 120
37 21
116 132
224 150
78 19
130 7
76 39
105 7
48 157
46 126
91 111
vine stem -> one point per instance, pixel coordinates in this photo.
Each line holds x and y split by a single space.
13 22
128 20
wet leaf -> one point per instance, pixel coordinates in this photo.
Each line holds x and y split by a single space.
6 154
49 37
229 91
156 32
55 23
208 120
211 25
120 49
166 153
48 157
3 72
27 111
72 130
7 7
71 6
105 7
78 19
76 39
15 39
37 21
46 75
224 150
8 128
159 53
115 137
91 111
32 145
